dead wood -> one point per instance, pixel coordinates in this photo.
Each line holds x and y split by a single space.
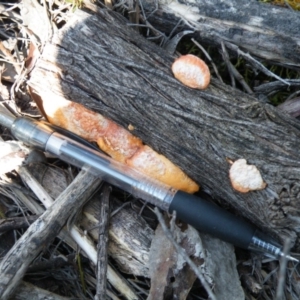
27 291
105 65
265 31
43 231
102 247
125 224
71 235
52 264
16 223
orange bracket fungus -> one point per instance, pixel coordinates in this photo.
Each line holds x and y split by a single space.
191 71
244 177
115 140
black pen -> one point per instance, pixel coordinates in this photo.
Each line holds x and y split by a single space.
201 214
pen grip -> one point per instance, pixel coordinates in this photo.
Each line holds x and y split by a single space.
209 218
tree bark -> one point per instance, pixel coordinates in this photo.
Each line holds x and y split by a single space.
100 62
265 31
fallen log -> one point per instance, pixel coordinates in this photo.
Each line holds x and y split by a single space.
100 62
265 31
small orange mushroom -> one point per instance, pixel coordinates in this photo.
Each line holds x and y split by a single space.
191 71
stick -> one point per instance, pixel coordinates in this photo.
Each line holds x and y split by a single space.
233 71
52 264
282 270
255 63
16 223
209 59
103 245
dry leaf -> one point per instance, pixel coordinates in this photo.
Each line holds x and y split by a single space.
171 277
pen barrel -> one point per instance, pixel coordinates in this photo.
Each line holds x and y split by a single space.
111 171
31 132
209 218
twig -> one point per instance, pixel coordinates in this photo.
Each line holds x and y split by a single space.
138 288
17 197
38 190
103 245
209 59
92 281
53 263
48 20
232 70
274 86
248 280
120 208
228 64
87 245
10 58
282 270
171 44
255 63
29 202
182 252
16 223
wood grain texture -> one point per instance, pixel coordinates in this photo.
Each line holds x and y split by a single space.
265 31
129 237
102 246
102 63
